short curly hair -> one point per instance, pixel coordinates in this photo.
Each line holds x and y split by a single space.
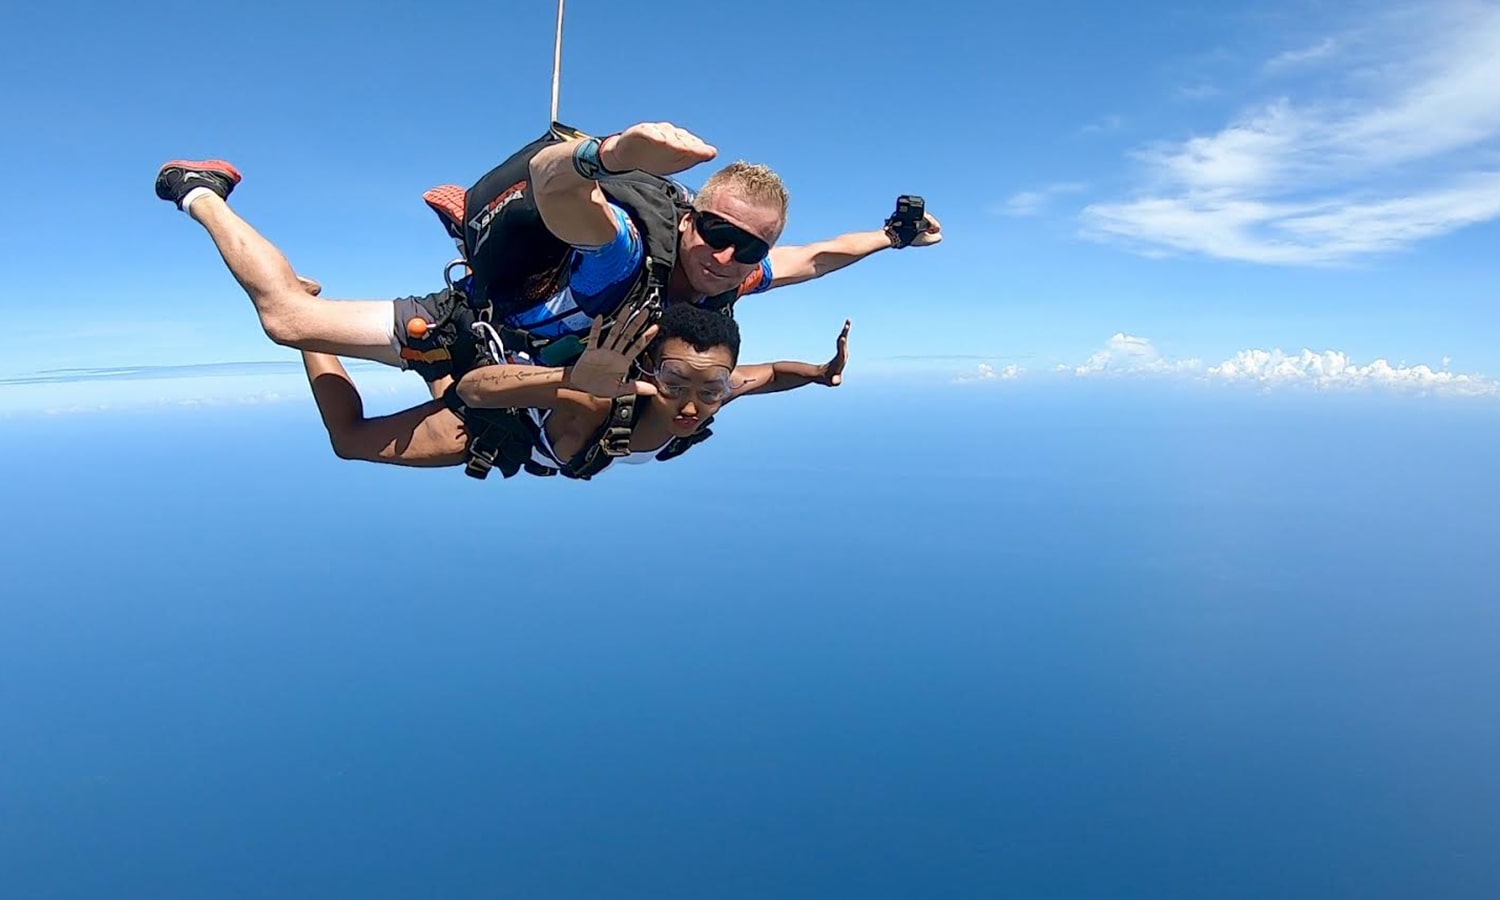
699 327
755 182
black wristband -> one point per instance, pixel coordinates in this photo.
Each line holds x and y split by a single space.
586 161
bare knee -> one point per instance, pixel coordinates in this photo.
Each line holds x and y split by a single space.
289 316
279 331
284 326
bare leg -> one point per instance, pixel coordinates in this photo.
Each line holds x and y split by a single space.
428 435
363 329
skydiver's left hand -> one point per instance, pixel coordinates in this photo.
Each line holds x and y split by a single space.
604 368
832 373
660 148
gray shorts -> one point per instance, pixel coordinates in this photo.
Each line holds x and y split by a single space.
431 354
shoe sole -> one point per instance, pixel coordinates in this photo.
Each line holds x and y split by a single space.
217 166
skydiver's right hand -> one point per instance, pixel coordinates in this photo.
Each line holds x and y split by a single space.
604 367
660 148
932 234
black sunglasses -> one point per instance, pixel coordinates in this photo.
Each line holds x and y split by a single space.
718 233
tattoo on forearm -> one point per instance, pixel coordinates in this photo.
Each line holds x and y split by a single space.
515 375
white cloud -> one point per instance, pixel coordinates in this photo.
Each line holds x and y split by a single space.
1026 203
1128 354
987 372
1333 369
1329 230
1032 203
1387 151
1321 50
1131 356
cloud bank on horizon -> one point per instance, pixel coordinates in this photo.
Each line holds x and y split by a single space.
1131 356
73 391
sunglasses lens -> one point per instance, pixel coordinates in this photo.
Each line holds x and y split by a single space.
753 253
719 233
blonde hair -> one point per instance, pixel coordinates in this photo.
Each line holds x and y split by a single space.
754 182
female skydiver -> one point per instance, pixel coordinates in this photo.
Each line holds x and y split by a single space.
690 372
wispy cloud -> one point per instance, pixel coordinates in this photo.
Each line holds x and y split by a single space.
148 373
1132 356
1303 55
1104 124
1034 203
1202 91
71 391
1388 150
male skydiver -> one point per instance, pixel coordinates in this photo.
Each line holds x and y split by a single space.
721 247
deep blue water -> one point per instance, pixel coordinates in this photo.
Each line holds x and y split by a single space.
1107 643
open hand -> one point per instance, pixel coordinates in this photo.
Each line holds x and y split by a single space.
660 148
833 371
603 368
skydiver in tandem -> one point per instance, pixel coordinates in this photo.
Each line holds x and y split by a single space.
569 230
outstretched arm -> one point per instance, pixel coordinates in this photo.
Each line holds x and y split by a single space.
510 386
571 206
793 265
771 378
564 177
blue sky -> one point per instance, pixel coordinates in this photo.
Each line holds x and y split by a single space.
1158 188
1049 621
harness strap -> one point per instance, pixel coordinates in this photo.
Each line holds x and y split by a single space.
505 438
611 442
498 438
